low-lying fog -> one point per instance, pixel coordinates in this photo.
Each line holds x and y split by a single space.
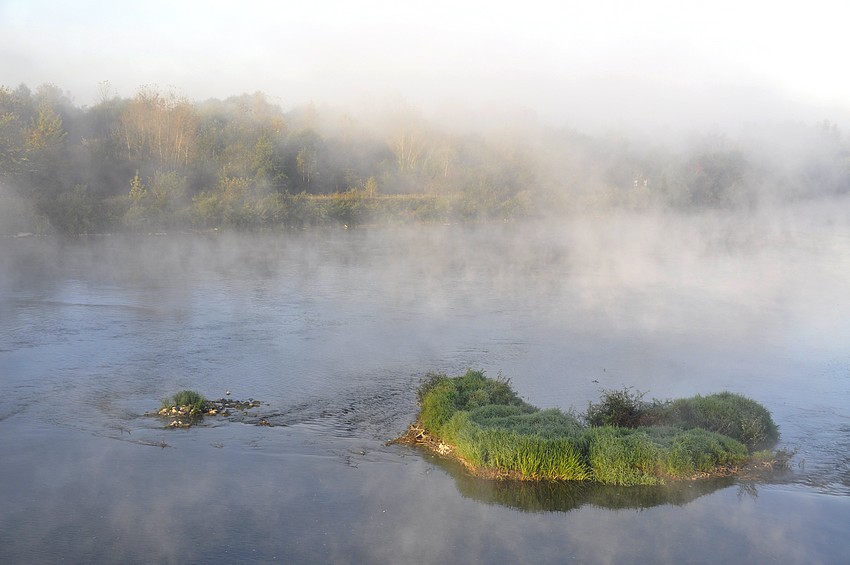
594 196
333 330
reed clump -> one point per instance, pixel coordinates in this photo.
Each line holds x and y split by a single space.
622 440
190 401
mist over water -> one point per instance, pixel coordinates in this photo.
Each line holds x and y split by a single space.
578 197
333 330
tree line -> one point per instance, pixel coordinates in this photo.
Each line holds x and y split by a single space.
157 161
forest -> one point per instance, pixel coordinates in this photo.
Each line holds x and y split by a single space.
158 162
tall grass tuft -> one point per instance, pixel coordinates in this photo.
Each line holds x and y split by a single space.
623 457
729 414
440 396
186 398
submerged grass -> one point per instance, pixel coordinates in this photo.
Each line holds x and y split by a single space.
622 440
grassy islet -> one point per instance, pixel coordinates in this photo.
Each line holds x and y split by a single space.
622 440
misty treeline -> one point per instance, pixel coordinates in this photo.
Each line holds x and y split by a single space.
158 161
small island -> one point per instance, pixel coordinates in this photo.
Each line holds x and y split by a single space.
622 440
188 407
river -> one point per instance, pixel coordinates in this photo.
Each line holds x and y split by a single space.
332 331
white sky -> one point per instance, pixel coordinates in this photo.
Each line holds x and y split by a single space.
594 62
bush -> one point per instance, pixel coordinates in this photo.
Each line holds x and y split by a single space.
622 408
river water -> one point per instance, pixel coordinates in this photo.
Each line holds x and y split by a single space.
333 331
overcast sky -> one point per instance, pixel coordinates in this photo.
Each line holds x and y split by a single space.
601 63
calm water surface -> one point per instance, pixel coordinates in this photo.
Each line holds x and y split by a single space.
334 331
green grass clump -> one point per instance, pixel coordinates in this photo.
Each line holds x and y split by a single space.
546 424
440 396
622 441
185 398
726 413
505 452
619 456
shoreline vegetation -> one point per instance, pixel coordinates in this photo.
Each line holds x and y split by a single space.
158 162
622 440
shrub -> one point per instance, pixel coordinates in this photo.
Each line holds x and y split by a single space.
618 408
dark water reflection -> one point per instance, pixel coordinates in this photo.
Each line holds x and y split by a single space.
552 496
334 331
